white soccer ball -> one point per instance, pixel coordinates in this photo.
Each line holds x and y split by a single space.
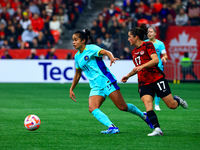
32 122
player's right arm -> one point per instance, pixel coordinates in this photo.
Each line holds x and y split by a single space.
130 74
74 83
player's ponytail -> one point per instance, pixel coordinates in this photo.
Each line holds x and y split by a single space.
139 31
88 33
85 34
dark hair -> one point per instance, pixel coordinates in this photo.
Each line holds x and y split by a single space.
186 54
85 34
139 31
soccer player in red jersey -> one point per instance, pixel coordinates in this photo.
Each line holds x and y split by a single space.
150 78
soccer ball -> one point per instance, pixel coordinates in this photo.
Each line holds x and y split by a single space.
32 122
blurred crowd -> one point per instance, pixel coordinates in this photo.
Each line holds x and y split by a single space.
36 23
26 24
113 23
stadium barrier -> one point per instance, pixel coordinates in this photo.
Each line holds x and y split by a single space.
54 71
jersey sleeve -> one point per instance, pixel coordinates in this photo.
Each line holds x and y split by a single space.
162 48
95 50
150 48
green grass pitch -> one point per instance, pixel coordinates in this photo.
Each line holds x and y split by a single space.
68 125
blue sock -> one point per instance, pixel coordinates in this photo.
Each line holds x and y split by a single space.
102 117
157 100
134 110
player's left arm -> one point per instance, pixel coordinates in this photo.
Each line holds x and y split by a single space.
164 53
110 55
154 61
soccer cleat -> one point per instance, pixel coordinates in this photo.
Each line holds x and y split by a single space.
183 103
157 107
156 132
148 121
111 130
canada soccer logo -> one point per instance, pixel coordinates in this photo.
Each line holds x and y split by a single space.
177 48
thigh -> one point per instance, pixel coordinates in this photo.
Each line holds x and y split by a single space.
148 102
118 100
146 90
95 102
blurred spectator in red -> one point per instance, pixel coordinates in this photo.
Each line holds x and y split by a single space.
10 10
33 54
5 15
194 13
73 15
139 15
101 22
170 20
51 54
40 5
42 41
105 14
2 37
16 4
33 8
6 55
158 6
27 37
155 22
37 23
13 43
45 2
141 21
181 18
150 11
112 11
25 21
4 2
171 10
46 19
164 11
123 16
143 6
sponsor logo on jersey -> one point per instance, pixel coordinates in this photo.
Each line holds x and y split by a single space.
141 52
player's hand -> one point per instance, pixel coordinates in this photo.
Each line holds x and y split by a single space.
113 61
164 59
72 95
124 79
137 69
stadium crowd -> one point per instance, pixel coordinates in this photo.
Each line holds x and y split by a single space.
41 23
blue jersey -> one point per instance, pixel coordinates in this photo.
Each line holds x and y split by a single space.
160 49
91 63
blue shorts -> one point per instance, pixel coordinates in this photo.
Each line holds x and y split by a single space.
105 91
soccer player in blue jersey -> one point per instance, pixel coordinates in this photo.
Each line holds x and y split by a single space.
162 56
102 82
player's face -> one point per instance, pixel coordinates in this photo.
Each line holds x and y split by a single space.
151 34
77 42
131 39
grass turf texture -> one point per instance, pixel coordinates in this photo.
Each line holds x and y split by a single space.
68 125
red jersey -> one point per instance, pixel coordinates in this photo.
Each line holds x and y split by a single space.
141 55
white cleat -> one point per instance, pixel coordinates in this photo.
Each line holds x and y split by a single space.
157 107
183 103
156 132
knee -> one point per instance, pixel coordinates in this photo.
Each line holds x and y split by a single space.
91 109
172 105
123 107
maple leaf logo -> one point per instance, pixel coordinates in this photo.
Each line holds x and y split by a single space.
177 47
